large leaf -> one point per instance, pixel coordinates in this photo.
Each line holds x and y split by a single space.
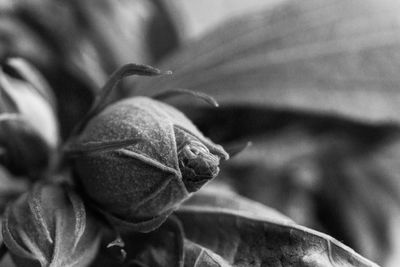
199 17
243 239
218 196
327 178
330 56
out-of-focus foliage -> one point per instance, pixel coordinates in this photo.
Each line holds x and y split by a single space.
29 132
331 56
77 44
196 18
313 85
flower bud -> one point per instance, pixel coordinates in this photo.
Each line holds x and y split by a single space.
161 158
49 226
28 125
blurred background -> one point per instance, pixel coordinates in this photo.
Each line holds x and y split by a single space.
308 89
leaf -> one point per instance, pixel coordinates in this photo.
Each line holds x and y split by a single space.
329 180
326 57
217 197
24 89
246 240
197 18
196 255
137 31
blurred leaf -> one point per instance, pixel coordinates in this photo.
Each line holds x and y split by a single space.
24 88
217 197
332 57
313 84
106 35
332 179
127 31
244 240
196 18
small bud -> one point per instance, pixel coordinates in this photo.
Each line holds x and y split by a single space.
24 151
49 226
28 125
24 89
157 157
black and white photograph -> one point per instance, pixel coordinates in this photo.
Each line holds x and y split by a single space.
199 133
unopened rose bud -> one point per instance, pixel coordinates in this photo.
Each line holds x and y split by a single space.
140 158
28 125
49 226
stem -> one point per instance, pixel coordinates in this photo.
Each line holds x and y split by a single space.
174 224
3 250
102 98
